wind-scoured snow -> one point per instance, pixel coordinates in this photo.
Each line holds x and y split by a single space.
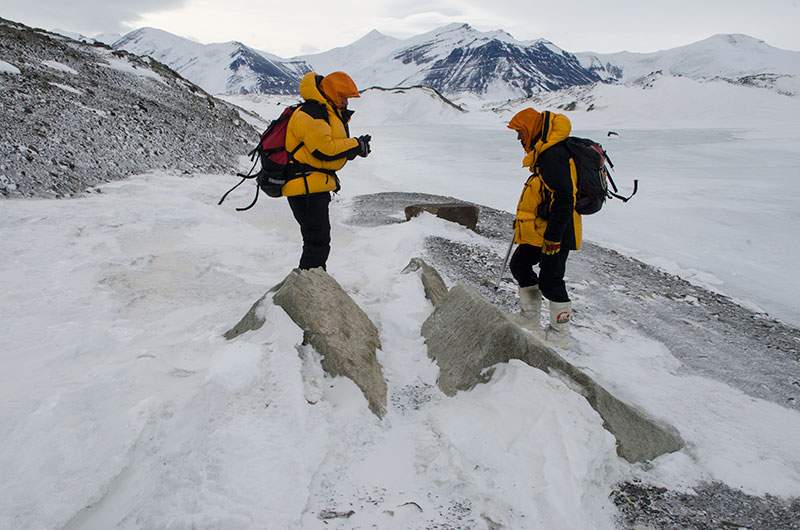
133 411
123 406
123 65
61 67
6 68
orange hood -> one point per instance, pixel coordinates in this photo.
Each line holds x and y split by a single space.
540 131
338 85
529 123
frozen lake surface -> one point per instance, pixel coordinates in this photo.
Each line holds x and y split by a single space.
717 206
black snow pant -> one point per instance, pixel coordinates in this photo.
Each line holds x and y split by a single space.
311 213
551 271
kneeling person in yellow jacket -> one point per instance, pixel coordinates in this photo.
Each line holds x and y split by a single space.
319 140
546 226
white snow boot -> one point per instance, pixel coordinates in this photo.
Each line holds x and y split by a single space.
557 333
530 303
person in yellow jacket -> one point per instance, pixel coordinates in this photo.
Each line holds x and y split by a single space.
546 226
318 139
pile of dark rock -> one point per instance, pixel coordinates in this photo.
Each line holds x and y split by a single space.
75 115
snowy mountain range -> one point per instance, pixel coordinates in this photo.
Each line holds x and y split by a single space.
226 68
456 59
726 56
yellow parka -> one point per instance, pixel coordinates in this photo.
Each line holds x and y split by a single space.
323 131
547 203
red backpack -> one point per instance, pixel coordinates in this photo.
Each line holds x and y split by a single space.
278 165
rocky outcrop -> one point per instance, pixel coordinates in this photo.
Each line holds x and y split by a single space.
333 324
466 335
463 214
435 288
252 320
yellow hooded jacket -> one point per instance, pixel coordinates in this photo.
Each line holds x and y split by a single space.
552 185
326 145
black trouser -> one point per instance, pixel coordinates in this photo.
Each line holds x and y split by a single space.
311 212
551 271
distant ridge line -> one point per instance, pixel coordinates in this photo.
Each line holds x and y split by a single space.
443 98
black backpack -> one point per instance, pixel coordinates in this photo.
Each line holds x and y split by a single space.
593 166
278 165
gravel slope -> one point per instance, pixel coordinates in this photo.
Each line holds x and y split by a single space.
75 115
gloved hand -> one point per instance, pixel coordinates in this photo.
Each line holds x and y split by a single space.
550 247
363 145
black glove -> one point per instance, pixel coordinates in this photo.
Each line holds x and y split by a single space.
363 145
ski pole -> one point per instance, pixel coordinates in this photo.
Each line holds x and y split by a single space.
505 261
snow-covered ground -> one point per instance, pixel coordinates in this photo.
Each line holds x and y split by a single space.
716 165
123 407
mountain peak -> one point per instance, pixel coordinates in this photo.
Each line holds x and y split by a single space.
463 31
375 33
456 26
735 39
154 35
148 30
375 36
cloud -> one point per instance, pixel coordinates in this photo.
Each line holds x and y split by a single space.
407 8
87 16
288 29
416 24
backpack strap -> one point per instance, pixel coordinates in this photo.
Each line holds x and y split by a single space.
233 188
292 152
546 126
608 159
315 109
620 197
249 175
255 199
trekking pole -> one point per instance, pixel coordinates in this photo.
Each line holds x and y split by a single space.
505 261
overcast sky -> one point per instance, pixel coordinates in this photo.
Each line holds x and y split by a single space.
288 28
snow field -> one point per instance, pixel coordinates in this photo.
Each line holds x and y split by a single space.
731 437
136 411
133 382
126 408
